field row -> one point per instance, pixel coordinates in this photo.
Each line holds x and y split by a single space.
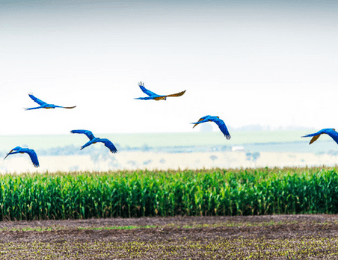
240 237
192 193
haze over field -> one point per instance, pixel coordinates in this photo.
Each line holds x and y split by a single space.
161 139
170 151
272 63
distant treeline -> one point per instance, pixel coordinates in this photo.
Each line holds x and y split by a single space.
325 148
75 150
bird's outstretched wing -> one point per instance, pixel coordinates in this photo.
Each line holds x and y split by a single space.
329 131
146 91
109 145
333 134
314 136
8 154
68 107
200 121
176 94
36 100
86 144
157 98
146 98
34 157
89 134
13 151
223 128
31 108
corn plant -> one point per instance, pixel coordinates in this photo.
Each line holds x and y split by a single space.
168 193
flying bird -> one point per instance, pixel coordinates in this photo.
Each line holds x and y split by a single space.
30 152
218 121
329 131
94 140
152 95
44 104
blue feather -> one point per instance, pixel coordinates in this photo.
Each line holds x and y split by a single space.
30 152
44 104
94 140
329 131
154 96
216 120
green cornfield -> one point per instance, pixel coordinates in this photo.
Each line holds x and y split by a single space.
82 195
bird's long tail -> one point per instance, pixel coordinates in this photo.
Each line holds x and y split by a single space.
195 124
86 144
7 155
144 98
31 108
11 152
310 135
199 122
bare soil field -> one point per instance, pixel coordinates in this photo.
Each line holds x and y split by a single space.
240 237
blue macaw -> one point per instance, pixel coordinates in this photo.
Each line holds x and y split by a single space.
44 104
30 152
218 121
154 96
94 140
329 131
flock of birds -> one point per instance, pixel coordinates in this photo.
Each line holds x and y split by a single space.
150 96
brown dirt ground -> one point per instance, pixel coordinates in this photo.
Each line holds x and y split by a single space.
261 237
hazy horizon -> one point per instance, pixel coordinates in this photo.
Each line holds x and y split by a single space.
178 140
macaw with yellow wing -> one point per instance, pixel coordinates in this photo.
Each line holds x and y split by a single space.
44 104
94 140
154 96
216 120
30 152
329 131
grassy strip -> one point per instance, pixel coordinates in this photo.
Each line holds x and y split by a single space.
160 193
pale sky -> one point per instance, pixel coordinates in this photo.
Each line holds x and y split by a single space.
273 63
